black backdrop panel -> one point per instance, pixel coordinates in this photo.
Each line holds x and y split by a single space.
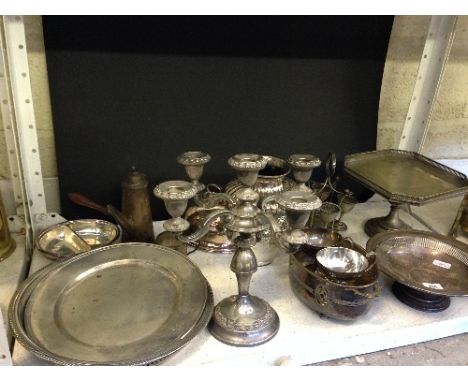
137 91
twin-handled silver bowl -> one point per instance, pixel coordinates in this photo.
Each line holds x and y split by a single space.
341 262
72 237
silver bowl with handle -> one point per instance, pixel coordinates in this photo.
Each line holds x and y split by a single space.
72 237
341 262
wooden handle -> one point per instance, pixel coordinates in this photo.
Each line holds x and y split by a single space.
82 200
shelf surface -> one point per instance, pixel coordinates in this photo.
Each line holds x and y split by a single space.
305 337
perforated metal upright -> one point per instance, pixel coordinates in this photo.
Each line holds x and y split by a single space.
436 51
20 126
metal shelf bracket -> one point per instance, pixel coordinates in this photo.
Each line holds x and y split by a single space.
20 125
436 51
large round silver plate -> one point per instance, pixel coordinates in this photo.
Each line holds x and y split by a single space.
422 260
132 303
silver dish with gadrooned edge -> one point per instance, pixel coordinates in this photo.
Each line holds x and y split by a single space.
180 325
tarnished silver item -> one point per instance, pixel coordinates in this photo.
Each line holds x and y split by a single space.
461 219
328 213
342 299
136 218
194 161
175 194
302 167
298 206
346 202
243 319
427 267
271 180
326 189
423 260
72 237
127 304
319 238
403 177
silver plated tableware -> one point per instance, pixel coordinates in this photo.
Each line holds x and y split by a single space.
338 299
302 166
346 202
427 267
326 214
242 319
271 180
403 177
326 189
298 206
194 161
175 194
129 304
341 262
72 237
135 218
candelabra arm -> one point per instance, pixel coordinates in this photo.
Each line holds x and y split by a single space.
211 200
271 221
197 235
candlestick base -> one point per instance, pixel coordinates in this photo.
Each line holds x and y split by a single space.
244 321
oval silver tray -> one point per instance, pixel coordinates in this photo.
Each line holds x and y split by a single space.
422 260
126 304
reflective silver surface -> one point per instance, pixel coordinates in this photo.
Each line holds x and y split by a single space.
303 166
321 238
298 206
194 161
425 261
129 303
271 180
402 177
342 262
405 176
76 236
328 212
175 194
243 319
340 299
346 202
